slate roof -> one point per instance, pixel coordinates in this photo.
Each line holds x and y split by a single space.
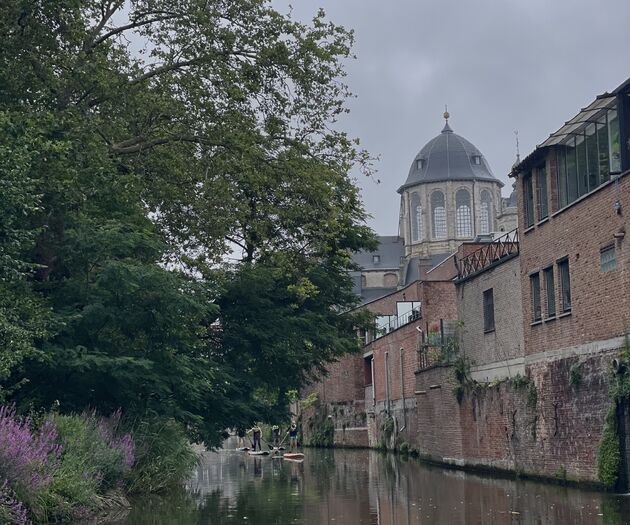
448 156
390 249
413 269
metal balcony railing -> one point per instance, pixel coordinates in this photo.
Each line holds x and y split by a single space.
488 255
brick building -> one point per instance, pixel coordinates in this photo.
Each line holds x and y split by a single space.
540 314
489 308
574 201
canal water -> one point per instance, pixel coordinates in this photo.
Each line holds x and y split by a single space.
365 487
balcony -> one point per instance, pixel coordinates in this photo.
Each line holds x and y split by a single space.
487 256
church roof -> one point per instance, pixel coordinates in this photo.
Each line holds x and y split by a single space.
386 257
448 156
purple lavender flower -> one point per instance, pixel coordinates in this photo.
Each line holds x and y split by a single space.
26 458
13 509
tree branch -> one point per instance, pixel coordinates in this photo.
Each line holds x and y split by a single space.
163 69
141 143
132 25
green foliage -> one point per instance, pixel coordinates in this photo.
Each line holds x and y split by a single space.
91 466
608 454
575 376
128 187
404 448
561 473
164 457
461 368
532 394
519 381
323 433
309 401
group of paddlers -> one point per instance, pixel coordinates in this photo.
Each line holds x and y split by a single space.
292 432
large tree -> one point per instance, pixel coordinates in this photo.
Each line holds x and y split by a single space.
193 214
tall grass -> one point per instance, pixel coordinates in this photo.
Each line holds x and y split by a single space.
164 457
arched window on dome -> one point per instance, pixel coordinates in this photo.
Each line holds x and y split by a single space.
416 218
463 223
438 215
486 220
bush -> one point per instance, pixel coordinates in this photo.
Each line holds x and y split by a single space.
96 458
323 435
12 511
608 455
164 457
27 457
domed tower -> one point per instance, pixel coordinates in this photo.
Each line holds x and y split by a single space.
450 196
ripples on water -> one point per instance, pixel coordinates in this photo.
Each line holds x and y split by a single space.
360 486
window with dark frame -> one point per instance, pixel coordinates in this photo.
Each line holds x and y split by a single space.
528 193
607 258
534 281
550 291
565 285
588 156
488 310
541 193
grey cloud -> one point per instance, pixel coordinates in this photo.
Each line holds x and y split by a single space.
500 65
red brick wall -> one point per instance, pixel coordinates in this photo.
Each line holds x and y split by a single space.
344 381
506 340
438 302
600 301
438 414
558 430
551 430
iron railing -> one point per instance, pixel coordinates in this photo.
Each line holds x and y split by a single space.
488 255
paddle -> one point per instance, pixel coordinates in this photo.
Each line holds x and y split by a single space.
285 437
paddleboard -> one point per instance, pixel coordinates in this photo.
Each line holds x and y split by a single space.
294 456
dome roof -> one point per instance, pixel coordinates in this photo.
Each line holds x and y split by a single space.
448 157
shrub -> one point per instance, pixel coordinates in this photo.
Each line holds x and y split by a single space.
27 458
96 457
12 511
323 435
164 457
608 455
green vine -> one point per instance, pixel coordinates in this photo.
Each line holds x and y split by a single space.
575 376
323 435
609 453
387 429
461 367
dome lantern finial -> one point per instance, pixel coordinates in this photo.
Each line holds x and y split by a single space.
446 128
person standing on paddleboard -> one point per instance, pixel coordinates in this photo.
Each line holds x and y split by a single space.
256 433
293 436
275 433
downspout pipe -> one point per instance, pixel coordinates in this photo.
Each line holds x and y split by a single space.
387 381
402 390
373 382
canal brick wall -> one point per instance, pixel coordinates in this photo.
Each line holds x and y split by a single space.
547 424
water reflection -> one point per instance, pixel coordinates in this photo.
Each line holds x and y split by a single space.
358 486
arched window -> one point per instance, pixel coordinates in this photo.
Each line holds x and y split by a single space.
416 218
486 220
463 223
438 215
390 280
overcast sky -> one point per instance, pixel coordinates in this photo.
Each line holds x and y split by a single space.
500 65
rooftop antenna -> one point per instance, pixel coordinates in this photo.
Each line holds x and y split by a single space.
518 152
